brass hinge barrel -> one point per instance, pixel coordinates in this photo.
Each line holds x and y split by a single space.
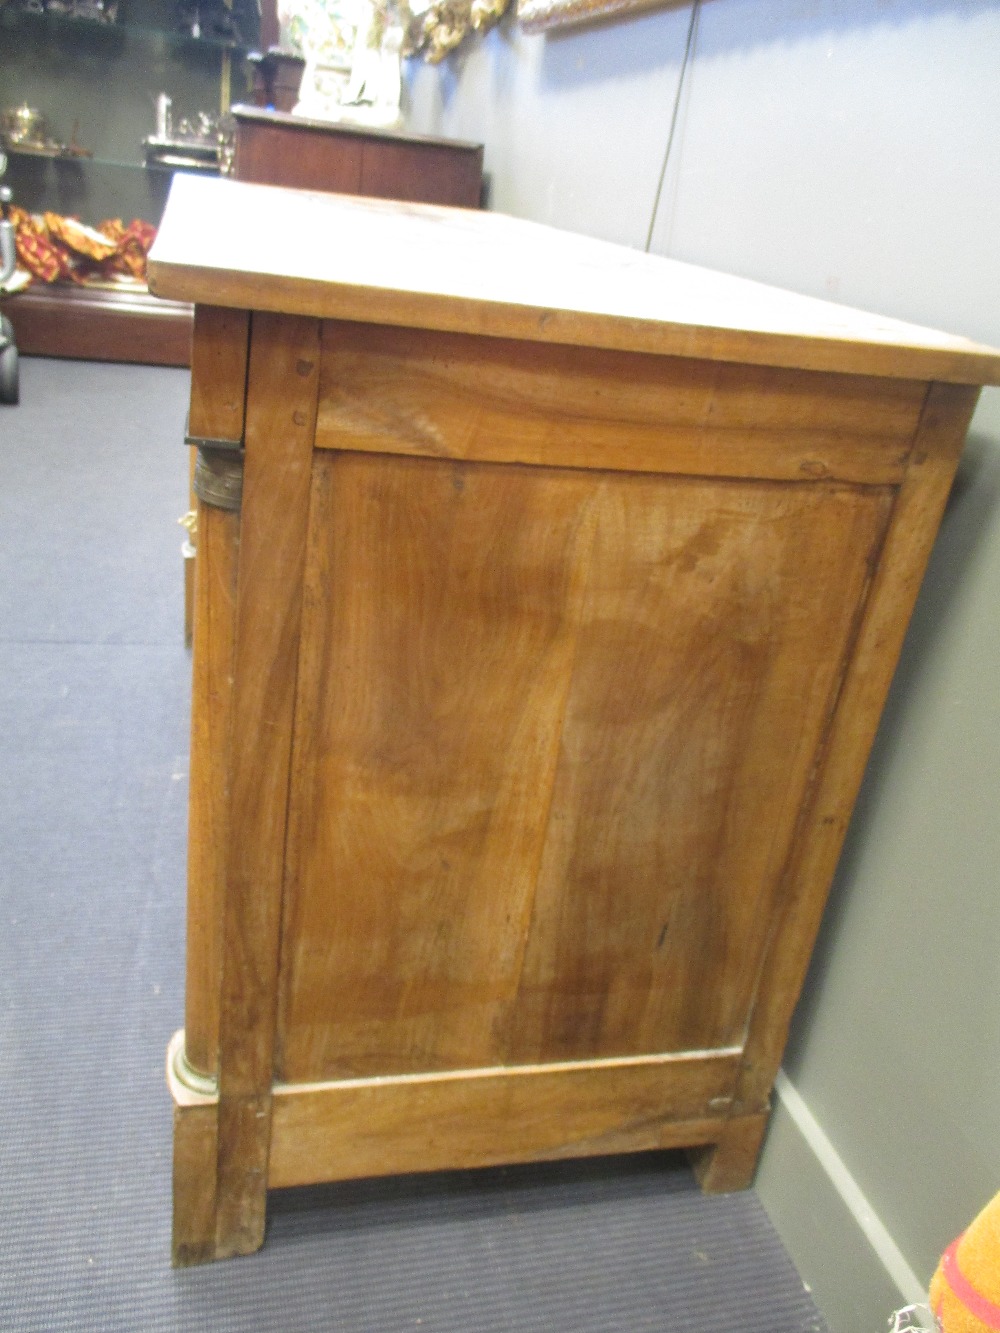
218 471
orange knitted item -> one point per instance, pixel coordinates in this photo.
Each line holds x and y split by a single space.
965 1290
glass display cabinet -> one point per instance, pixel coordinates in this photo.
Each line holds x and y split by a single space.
102 101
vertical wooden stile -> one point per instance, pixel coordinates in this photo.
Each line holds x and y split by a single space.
915 520
281 411
218 398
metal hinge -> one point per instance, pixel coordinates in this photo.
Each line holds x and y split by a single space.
218 470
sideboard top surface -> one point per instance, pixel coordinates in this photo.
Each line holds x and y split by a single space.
231 243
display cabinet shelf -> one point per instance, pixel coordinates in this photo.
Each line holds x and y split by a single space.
77 160
95 85
61 27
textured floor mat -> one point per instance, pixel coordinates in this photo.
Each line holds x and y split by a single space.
93 789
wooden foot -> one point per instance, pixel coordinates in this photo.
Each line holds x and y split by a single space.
210 1216
729 1165
241 1193
195 1138
219 1191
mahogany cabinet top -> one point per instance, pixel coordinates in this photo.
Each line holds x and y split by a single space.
260 247
259 115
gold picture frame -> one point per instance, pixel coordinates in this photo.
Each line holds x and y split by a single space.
543 15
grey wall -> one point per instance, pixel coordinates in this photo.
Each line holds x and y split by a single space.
575 127
847 149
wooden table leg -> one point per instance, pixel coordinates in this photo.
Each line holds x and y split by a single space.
729 1165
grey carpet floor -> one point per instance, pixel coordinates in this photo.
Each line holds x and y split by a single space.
93 787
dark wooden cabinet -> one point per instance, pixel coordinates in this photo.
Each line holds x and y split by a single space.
96 85
277 148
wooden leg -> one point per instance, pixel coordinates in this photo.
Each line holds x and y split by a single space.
195 1138
201 1232
216 1215
729 1165
241 1208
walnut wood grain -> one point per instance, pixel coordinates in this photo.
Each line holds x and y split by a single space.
281 413
220 350
631 675
465 271
219 355
711 647
402 391
442 601
208 806
729 1163
372 1127
194 1165
195 1150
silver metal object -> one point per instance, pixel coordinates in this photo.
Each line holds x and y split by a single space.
22 125
218 478
203 1084
164 116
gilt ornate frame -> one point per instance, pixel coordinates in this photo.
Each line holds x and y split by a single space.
542 15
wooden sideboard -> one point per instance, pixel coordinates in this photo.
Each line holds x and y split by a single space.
541 639
278 148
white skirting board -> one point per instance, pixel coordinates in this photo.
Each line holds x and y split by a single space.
843 1251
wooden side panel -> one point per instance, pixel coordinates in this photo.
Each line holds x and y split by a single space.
438 638
377 1127
552 732
714 634
284 365
450 396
